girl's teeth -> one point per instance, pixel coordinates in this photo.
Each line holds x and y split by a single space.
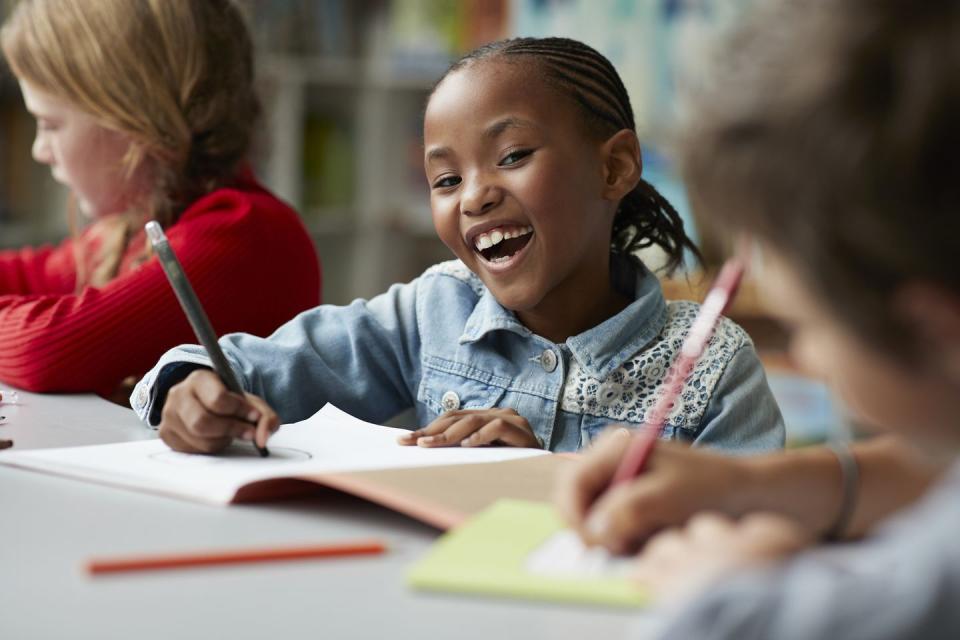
487 240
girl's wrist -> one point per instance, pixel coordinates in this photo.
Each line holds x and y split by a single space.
804 485
743 488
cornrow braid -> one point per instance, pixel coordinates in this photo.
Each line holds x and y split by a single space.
645 218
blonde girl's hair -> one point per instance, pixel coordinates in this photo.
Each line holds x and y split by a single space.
174 76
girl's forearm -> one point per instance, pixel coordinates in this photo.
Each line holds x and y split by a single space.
807 484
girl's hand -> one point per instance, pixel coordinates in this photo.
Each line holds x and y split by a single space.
677 482
474 428
201 416
677 563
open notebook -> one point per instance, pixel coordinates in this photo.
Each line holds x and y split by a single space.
441 486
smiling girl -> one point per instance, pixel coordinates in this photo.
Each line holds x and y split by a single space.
546 329
144 110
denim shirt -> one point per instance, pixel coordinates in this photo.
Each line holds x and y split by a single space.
442 342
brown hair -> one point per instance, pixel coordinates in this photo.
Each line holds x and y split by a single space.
831 132
175 76
591 83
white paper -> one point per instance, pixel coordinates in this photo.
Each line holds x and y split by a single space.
329 441
564 555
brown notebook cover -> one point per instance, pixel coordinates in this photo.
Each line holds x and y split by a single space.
441 496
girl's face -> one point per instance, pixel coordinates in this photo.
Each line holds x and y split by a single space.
921 405
82 155
517 189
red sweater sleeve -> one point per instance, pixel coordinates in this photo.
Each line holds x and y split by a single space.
248 257
42 270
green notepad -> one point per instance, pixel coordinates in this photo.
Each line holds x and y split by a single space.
489 553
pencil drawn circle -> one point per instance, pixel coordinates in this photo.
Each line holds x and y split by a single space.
235 453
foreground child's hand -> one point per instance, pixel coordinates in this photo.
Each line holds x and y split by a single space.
678 482
201 416
677 563
474 428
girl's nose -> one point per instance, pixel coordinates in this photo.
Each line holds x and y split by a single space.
479 199
40 150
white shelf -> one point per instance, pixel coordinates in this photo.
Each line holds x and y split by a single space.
315 70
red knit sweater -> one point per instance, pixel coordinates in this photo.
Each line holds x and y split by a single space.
247 254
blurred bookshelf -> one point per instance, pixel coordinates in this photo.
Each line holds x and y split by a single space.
345 83
28 194
344 86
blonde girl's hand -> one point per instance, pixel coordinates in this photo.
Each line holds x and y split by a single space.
475 428
677 563
678 481
201 416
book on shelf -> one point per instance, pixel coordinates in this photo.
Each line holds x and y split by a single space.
328 164
308 27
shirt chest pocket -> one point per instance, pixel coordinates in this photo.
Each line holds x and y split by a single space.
441 392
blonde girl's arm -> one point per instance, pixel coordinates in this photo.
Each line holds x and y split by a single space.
37 270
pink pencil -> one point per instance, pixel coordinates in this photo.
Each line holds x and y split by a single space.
641 445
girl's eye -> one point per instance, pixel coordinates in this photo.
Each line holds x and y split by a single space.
45 125
447 181
514 157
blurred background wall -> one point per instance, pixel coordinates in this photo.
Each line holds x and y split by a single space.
344 84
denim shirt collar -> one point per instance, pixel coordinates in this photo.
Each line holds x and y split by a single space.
489 315
598 350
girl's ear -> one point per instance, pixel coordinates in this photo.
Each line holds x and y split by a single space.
935 313
621 164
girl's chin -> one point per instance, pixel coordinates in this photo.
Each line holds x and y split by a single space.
91 212
86 208
516 299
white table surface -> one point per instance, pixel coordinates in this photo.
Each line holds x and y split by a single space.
50 526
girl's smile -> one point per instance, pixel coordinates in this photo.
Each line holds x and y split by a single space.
518 194
501 245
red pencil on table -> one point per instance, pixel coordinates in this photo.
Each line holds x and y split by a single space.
716 302
207 558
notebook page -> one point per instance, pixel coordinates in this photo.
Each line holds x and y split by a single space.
329 441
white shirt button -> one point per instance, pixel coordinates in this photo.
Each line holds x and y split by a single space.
548 360
142 396
450 401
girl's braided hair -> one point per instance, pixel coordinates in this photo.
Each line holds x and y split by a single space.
583 74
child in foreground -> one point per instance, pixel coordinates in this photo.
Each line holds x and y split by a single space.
834 144
547 328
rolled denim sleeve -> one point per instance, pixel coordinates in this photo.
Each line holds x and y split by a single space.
742 415
363 357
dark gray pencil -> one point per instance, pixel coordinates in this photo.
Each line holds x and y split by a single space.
194 311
